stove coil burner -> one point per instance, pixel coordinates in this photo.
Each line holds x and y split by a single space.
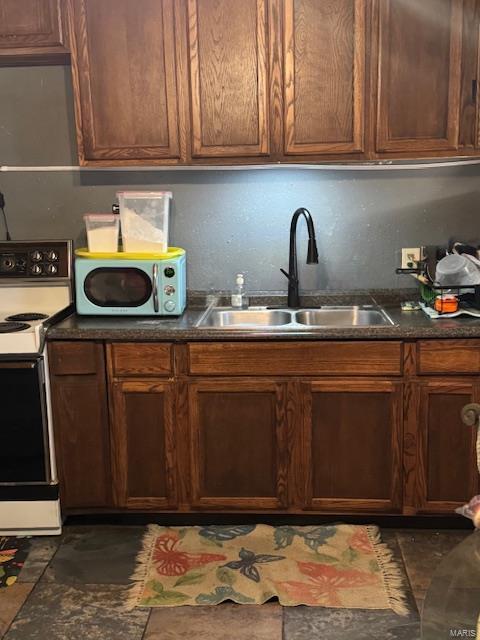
11 327
26 317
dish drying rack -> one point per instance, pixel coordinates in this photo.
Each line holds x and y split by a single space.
468 295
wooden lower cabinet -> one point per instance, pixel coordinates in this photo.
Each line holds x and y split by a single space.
169 427
143 444
446 470
80 423
352 432
238 431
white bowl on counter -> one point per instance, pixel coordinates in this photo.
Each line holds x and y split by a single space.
458 270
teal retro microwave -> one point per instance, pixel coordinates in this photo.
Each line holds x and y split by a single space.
124 284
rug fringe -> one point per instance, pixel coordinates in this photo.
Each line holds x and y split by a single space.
142 561
392 575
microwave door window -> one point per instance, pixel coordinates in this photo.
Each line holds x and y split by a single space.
22 423
118 287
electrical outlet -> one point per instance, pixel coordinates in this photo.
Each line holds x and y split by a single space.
411 257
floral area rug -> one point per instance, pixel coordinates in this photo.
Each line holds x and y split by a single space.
13 553
343 566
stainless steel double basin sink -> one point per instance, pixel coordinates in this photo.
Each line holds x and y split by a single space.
294 319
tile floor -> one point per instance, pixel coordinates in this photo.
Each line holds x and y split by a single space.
71 587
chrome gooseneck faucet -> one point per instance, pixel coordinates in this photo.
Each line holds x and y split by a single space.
312 255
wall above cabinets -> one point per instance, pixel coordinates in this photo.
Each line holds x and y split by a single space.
212 82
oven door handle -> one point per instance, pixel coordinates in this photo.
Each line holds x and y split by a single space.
17 365
155 287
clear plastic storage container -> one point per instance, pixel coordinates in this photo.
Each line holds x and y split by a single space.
102 232
144 220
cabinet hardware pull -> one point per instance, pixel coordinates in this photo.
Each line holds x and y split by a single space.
471 417
471 414
474 91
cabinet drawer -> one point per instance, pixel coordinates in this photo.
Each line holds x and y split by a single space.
295 358
74 358
449 356
135 359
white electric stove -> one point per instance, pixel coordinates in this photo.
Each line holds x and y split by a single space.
35 291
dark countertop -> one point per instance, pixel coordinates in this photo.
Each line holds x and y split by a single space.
408 324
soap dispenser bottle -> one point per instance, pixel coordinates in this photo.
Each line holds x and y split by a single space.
239 299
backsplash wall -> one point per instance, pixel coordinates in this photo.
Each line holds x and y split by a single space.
230 221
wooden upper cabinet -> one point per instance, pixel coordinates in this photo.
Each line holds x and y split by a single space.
125 80
419 75
471 80
324 76
469 112
31 32
228 54
225 81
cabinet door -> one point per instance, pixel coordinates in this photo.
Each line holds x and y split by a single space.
31 31
238 444
144 464
469 112
228 52
125 79
447 475
352 445
324 74
419 70
80 423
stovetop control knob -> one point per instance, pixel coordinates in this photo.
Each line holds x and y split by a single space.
36 269
7 264
36 256
52 269
52 256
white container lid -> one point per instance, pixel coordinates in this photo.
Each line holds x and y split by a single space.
101 217
144 194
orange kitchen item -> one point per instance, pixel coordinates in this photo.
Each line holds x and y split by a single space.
447 303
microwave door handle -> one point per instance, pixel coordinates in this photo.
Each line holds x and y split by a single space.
155 287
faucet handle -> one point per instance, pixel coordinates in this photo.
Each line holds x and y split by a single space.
287 275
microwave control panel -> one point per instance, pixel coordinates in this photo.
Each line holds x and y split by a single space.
172 287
